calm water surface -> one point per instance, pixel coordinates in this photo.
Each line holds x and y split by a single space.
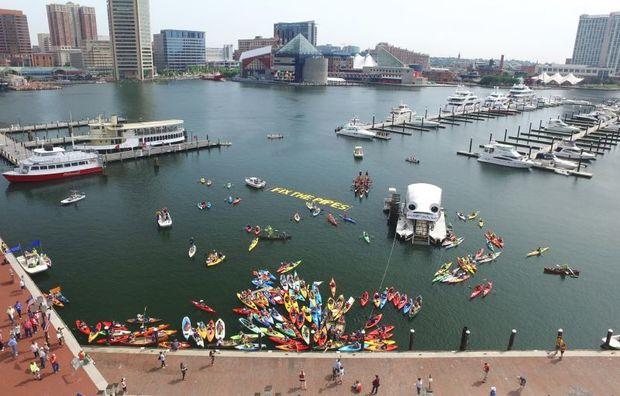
112 261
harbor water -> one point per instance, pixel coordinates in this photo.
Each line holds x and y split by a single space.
112 261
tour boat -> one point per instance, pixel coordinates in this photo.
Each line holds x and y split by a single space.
505 155
358 152
34 262
462 98
354 129
255 182
551 160
51 163
399 114
113 136
164 220
75 196
569 149
557 125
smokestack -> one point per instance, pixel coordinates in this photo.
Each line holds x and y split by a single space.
501 63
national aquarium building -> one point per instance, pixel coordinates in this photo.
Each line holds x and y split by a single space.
300 62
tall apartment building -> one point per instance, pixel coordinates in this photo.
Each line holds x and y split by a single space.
14 37
44 42
597 42
97 56
130 33
286 31
244 45
179 49
70 24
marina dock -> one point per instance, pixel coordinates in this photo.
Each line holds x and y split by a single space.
52 125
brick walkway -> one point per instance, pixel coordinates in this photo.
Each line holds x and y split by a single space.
16 378
580 373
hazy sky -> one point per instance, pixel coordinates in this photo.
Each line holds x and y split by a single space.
542 30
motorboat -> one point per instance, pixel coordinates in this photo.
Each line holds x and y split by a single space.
354 129
74 197
521 92
34 262
423 122
462 98
164 220
586 117
569 149
504 155
551 160
358 152
400 114
557 125
52 163
495 99
255 182
576 102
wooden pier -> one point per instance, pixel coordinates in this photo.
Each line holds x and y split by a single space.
54 125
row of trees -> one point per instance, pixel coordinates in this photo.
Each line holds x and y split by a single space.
498 79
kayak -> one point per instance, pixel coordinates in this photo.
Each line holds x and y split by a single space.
403 300
383 300
364 299
249 325
215 260
203 306
444 268
461 216
168 345
416 307
537 252
209 182
210 331
455 243
473 215
243 311
373 321
228 185
229 199
82 327
239 337
201 329
186 326
348 219
487 258
316 211
305 334
145 320
332 220
249 347
480 223
297 217
487 289
376 299
478 289
93 335
380 332
366 237
332 287
192 251
203 180
614 343
286 267
351 347
562 270
253 244
236 201
309 205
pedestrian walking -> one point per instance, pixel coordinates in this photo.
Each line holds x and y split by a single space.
183 370
419 385
336 368
18 308
558 344
17 331
34 369
54 363
13 345
35 324
563 348
430 383
486 368
162 359
375 385
340 375
302 380
212 356
11 313
12 275
493 391
42 357
124 385
22 284
59 336
27 329
34 348
522 381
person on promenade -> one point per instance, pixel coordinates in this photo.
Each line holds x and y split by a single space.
54 363
302 380
375 385
1 342
183 370
522 381
34 369
18 308
35 324
563 348
419 385
12 275
162 359
558 343
27 329
485 368
430 383
493 391
336 369
34 348
17 331
212 356
59 336
13 345
22 284
356 387
42 357
124 385
11 313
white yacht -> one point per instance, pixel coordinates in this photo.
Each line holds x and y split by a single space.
496 99
569 149
505 155
400 114
462 98
255 182
34 262
552 160
107 137
423 122
557 125
521 92
354 129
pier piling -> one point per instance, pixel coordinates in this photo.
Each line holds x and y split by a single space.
464 339
490 137
471 140
610 333
579 161
530 128
511 341
505 134
260 341
373 121
412 335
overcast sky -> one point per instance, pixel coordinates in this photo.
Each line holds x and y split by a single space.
542 30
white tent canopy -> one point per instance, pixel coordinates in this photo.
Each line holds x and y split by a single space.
558 78
360 62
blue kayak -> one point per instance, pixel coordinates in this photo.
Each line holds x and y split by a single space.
348 219
351 347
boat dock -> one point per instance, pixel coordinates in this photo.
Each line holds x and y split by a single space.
53 125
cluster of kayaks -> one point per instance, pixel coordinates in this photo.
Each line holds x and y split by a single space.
313 208
482 289
56 297
361 184
408 306
147 333
209 332
493 240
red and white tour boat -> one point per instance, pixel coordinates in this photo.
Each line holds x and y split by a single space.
51 163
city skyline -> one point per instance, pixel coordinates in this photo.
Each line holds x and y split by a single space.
484 30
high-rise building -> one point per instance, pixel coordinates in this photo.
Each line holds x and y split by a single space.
286 31
44 42
250 44
97 56
130 33
70 24
179 49
597 42
228 50
14 37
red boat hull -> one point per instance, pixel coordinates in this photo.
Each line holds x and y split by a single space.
17 178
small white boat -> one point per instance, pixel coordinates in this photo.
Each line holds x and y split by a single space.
614 343
34 262
192 251
557 125
356 130
164 220
505 155
551 160
358 152
569 149
255 182
74 197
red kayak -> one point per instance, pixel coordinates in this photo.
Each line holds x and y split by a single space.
373 321
396 299
477 291
487 289
332 219
82 327
390 294
403 301
243 311
113 340
381 331
236 201
332 287
203 306
364 299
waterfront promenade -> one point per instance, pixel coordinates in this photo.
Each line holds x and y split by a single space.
273 373
16 376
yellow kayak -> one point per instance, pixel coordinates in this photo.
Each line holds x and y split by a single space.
253 244
203 181
214 260
473 215
538 251
201 329
480 223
